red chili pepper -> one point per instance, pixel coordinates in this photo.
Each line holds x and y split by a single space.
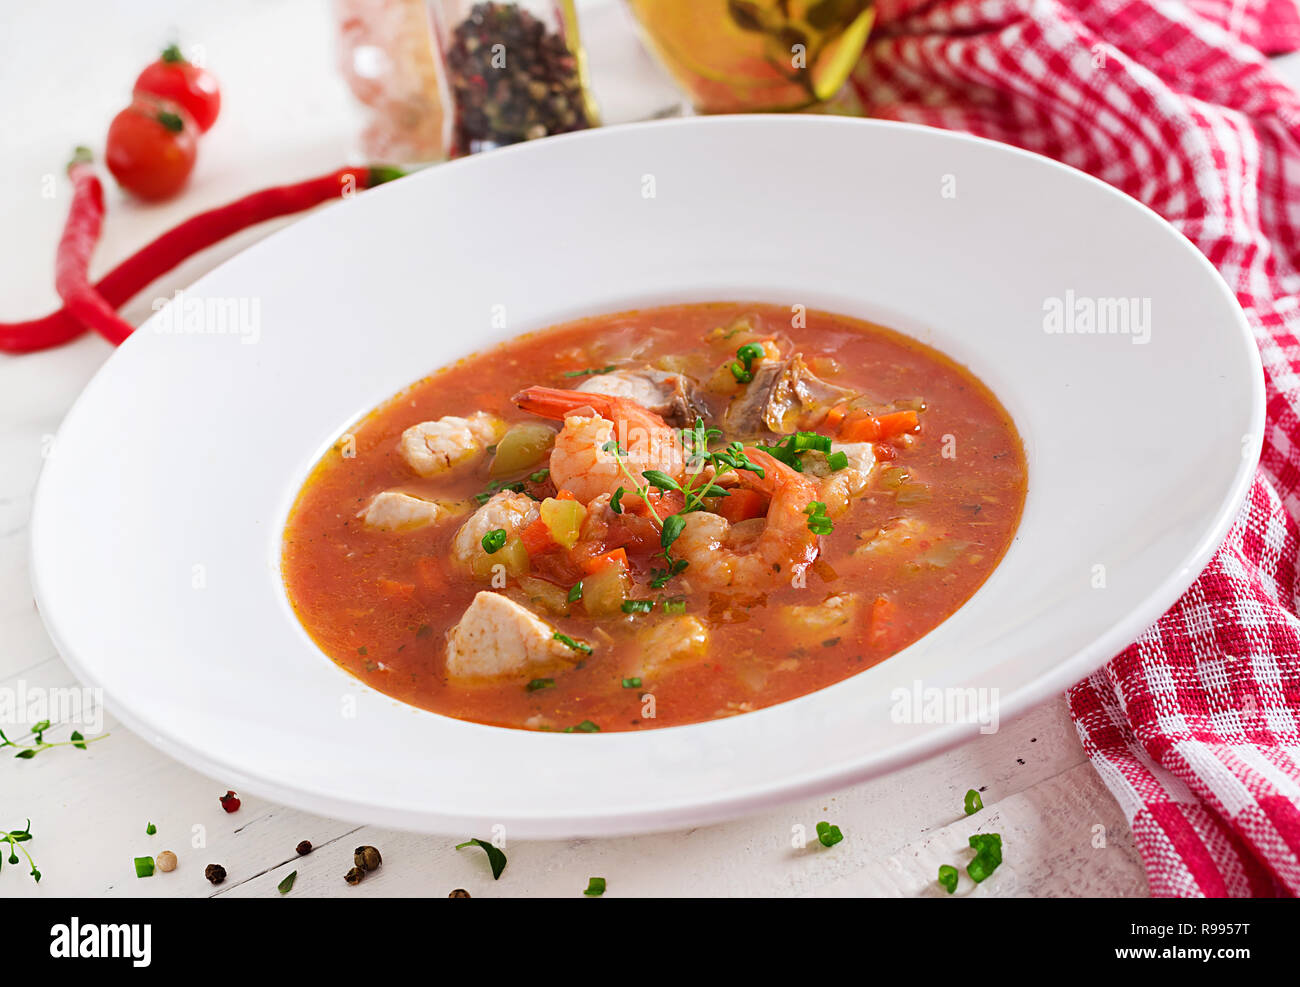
230 801
72 263
182 242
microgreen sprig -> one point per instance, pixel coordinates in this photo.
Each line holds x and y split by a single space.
16 837
37 734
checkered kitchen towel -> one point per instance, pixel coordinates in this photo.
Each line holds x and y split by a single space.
1195 727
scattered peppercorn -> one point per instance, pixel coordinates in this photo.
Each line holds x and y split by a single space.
230 802
304 848
214 873
367 858
166 861
354 876
459 893
512 79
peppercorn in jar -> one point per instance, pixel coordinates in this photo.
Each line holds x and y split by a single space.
513 72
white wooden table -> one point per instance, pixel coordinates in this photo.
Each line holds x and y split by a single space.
287 115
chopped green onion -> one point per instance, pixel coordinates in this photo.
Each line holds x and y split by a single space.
595 887
948 877
150 829
828 835
144 866
536 684
632 683
575 592
571 643
638 606
586 726
837 460
988 854
973 802
818 522
494 540
676 604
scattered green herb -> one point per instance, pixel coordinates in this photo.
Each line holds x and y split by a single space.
285 886
973 802
14 837
494 540
496 859
569 642
638 606
595 887
675 604
744 370
590 371
616 502
948 877
828 835
143 866
37 734
632 683
536 684
150 829
837 460
586 726
575 592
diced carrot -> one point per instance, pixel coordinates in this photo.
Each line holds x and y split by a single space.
883 621
835 416
429 569
868 428
398 591
599 562
537 537
742 504
885 451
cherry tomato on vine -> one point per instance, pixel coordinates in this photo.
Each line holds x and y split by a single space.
151 148
180 81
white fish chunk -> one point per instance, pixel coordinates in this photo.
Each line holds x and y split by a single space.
497 636
507 510
394 511
434 447
669 642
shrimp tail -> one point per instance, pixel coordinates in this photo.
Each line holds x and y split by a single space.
552 402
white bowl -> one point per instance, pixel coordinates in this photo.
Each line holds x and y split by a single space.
157 525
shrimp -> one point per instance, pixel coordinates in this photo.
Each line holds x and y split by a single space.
757 553
580 462
508 511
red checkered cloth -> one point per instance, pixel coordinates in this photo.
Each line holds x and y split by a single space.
1195 728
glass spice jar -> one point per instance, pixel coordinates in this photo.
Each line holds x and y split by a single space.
512 71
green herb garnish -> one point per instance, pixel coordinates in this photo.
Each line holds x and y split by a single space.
494 540
571 643
632 683
14 838
496 859
150 829
616 501
595 887
37 733
837 460
973 802
948 877
828 835
675 604
744 370
536 684
638 606
143 866
586 726
575 592
590 371
285 886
